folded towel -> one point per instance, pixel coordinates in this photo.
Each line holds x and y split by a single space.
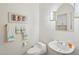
10 32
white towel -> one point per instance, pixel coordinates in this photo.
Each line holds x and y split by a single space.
10 31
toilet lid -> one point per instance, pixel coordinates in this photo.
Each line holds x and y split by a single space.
34 50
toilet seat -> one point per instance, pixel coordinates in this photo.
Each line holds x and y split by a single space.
37 49
34 50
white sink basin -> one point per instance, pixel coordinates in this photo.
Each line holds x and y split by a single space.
61 47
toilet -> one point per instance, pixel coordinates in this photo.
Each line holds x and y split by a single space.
38 49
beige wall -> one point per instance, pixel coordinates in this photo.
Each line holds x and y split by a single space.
31 11
46 26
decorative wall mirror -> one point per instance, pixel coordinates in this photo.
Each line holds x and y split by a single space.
64 17
61 23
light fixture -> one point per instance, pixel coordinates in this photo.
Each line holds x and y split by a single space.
52 15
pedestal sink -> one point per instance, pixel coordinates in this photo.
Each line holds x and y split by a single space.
60 47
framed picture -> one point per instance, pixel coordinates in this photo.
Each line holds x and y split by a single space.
12 17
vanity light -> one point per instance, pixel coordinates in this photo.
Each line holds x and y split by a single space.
52 15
